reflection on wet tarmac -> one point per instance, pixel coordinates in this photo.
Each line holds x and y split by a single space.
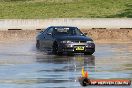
24 67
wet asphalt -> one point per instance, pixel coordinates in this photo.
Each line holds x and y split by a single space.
23 66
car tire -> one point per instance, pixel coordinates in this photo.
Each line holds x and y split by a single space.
55 49
59 53
70 53
37 45
88 53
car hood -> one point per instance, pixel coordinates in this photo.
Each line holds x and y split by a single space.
82 38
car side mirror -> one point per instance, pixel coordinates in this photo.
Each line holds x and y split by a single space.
85 33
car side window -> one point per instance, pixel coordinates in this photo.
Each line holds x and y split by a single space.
50 30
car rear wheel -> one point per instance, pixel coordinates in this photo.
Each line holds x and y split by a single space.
37 44
55 49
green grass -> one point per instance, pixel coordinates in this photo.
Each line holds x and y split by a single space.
37 9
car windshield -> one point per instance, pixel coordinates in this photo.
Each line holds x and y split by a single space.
67 31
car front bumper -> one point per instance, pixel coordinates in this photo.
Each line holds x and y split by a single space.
72 47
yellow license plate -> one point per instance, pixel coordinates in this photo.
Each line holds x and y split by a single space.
80 48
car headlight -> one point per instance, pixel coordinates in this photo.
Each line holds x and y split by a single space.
66 41
89 42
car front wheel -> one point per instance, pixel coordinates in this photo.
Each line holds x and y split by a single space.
55 49
88 53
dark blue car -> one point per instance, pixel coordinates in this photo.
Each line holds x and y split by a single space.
61 39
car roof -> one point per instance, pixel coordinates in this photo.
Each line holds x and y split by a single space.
63 27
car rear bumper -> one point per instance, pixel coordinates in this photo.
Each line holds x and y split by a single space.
88 47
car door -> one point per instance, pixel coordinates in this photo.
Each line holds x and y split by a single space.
49 39
41 38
